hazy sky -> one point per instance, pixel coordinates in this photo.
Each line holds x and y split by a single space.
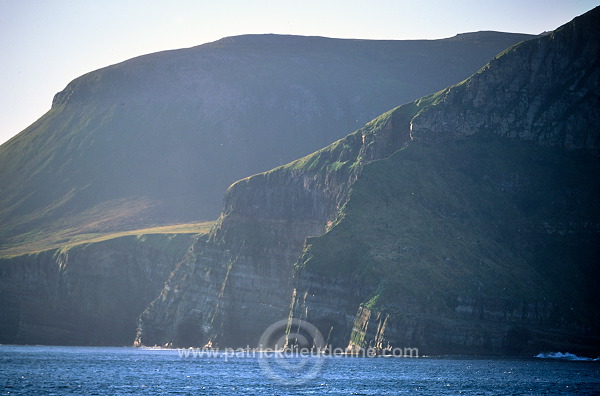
44 44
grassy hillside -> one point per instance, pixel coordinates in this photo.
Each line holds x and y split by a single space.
157 139
487 216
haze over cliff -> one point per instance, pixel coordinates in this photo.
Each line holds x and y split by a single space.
158 139
467 221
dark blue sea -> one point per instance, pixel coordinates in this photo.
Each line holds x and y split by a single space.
44 370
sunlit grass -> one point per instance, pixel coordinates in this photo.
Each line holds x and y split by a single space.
70 237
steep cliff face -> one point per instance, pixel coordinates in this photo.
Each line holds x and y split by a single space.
238 279
484 245
88 294
543 90
428 228
466 241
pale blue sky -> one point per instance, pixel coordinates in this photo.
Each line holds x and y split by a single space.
44 44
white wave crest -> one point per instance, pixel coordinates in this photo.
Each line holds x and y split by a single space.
565 356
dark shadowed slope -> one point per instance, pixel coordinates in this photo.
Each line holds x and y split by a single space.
157 139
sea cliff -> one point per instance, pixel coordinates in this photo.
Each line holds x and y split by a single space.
463 222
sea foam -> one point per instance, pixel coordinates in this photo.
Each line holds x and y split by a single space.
565 356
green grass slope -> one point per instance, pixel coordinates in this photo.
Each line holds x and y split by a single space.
157 139
487 216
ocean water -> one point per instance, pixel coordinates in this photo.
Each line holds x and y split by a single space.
45 370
